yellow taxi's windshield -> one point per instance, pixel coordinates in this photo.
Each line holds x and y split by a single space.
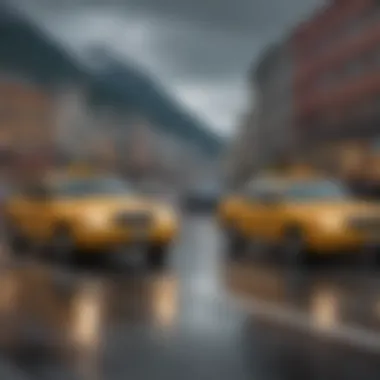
316 191
99 186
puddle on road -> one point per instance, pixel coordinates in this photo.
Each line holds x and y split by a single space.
326 298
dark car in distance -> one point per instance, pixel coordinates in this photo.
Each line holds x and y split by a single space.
202 197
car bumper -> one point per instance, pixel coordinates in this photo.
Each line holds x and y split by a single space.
335 243
111 239
193 204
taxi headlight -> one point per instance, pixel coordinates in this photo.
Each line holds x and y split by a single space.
332 223
165 217
95 220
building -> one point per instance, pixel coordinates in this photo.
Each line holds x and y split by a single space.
273 80
26 119
266 131
31 69
318 89
84 110
26 112
74 121
242 158
337 82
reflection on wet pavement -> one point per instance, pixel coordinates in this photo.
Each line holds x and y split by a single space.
328 297
69 319
66 323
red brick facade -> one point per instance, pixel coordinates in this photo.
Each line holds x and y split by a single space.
337 76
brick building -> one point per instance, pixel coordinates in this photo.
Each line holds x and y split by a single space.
318 89
26 120
91 107
273 80
337 82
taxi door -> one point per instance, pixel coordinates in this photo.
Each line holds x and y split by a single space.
19 212
254 215
272 216
264 214
31 212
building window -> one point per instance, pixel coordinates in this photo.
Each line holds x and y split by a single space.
327 79
355 27
372 15
4 115
354 67
376 144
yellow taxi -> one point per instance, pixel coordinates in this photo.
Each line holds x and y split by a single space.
300 215
67 213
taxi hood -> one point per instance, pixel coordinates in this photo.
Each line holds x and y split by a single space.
346 208
109 205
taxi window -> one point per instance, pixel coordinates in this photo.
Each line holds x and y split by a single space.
35 191
92 187
316 190
256 190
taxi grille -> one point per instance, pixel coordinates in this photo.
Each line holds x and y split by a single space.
133 219
366 224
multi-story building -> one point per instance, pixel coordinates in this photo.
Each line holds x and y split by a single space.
241 159
273 80
337 81
25 112
318 90
71 109
74 122
26 119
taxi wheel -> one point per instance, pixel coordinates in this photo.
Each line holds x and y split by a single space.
17 242
369 258
62 246
236 245
157 256
294 247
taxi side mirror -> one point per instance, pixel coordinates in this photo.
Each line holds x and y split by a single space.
270 199
38 193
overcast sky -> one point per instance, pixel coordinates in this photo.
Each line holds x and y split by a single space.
200 49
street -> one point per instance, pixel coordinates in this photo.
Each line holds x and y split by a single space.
198 319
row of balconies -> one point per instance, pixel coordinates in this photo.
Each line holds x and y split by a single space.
347 130
351 51
324 26
351 47
337 121
341 96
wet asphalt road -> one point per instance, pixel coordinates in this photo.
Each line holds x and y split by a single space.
198 319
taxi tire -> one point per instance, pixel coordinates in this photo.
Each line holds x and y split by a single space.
369 259
62 246
15 239
294 247
156 256
236 245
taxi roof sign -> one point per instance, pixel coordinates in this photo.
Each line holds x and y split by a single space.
80 170
293 171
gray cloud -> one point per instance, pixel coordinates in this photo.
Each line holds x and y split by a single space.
208 55
239 15
200 49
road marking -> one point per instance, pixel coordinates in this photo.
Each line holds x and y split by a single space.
363 338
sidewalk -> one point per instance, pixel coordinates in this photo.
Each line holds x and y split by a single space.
10 372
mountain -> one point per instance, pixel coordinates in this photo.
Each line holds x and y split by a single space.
25 49
146 96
